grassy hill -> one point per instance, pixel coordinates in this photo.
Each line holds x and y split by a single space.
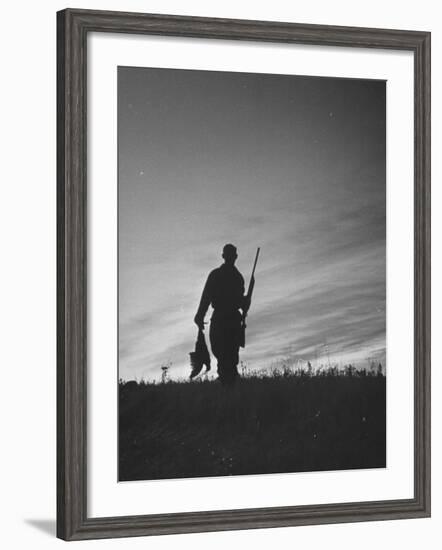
291 423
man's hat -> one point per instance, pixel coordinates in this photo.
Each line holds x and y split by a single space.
229 250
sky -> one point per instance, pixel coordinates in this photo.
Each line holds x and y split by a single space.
293 164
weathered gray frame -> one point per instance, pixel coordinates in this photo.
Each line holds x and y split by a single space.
73 27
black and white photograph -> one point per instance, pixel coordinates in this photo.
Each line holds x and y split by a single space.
251 273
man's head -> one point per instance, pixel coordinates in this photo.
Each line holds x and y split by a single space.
229 254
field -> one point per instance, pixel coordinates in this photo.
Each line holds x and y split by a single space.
283 423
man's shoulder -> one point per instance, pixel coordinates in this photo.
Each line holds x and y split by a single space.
215 271
214 274
227 271
223 270
239 275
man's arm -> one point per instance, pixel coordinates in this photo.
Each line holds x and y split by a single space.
245 301
247 298
206 298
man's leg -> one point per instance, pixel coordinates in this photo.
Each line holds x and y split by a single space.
231 374
216 343
225 347
228 366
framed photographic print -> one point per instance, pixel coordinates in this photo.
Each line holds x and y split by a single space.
243 274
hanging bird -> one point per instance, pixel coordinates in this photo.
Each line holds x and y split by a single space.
200 357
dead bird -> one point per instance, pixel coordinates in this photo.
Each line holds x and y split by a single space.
200 357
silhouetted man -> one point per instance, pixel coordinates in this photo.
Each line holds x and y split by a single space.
224 291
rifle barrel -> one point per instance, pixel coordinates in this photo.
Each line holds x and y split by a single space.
253 270
256 260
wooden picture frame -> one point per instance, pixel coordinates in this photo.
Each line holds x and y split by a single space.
73 26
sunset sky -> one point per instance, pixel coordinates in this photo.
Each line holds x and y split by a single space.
295 165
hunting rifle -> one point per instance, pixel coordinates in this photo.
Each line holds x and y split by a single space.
248 301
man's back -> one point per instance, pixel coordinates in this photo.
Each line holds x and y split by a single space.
225 288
